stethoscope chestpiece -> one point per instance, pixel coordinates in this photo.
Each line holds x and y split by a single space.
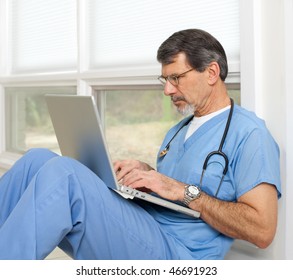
163 153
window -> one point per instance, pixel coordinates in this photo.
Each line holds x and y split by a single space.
43 36
70 46
28 123
136 121
127 34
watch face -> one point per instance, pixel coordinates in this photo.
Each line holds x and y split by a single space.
193 190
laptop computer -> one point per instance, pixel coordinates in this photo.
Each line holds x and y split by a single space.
80 135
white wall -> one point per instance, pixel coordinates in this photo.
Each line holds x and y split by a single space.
288 153
266 88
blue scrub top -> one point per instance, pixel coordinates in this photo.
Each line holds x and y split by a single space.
253 159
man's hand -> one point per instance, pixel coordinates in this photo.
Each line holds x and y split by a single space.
123 167
139 175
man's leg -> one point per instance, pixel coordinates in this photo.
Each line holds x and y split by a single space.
15 181
113 227
66 204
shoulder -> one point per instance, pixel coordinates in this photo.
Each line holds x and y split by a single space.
250 138
253 151
246 123
248 118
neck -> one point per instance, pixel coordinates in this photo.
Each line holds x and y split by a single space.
213 106
215 101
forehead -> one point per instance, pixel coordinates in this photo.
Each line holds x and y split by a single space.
178 65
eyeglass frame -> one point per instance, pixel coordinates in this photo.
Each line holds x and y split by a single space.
172 78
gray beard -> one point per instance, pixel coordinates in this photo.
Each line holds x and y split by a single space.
187 110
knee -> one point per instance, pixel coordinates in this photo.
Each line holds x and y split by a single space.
61 164
30 163
38 156
40 153
65 166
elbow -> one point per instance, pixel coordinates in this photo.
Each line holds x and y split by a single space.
263 244
265 238
266 231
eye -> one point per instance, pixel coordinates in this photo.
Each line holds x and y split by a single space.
173 79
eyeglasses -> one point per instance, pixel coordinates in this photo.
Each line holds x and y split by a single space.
173 79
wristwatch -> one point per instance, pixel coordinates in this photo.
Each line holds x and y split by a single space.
191 193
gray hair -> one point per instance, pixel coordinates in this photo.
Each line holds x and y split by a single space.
200 48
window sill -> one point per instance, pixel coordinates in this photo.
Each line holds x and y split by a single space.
7 159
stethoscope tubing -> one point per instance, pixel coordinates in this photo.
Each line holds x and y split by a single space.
219 152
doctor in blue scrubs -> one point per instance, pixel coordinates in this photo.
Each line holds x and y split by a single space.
221 160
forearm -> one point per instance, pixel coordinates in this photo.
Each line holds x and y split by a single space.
235 219
230 218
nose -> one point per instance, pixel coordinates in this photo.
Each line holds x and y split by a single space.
169 89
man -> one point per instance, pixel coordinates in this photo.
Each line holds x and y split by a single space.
47 200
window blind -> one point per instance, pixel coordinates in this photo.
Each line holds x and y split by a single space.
119 34
129 32
43 35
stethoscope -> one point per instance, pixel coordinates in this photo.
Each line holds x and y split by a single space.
219 152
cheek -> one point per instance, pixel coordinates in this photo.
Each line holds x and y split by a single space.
191 96
186 92
197 93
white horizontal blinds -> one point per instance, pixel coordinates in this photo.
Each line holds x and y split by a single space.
128 32
43 35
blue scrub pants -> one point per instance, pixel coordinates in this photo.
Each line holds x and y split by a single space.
47 200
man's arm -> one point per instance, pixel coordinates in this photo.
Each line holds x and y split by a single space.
252 218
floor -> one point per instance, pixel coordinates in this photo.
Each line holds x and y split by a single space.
58 254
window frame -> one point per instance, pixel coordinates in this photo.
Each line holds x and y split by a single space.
87 81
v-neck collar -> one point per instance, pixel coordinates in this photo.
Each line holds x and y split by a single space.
201 130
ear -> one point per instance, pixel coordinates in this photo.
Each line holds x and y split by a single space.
213 72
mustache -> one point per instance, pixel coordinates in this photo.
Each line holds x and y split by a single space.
177 98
